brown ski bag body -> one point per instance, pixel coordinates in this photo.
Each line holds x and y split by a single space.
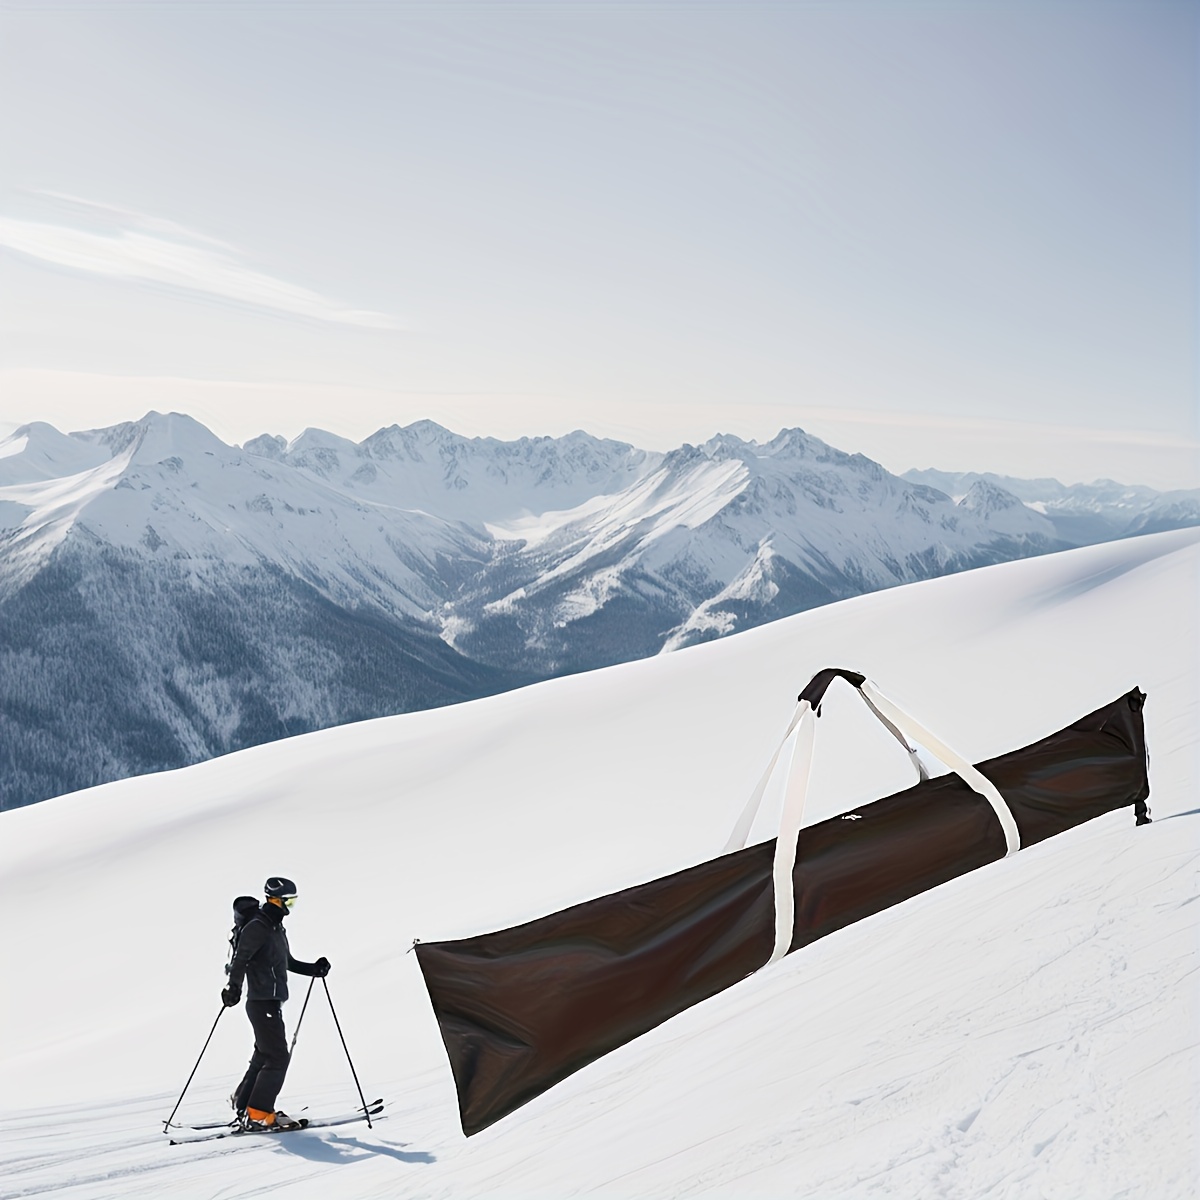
523 1008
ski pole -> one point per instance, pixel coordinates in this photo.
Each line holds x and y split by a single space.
303 1010
347 1049
167 1122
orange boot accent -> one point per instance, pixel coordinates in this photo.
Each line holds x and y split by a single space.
262 1116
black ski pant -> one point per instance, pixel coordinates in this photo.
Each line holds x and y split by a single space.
264 1077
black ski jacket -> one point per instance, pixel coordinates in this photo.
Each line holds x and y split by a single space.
263 958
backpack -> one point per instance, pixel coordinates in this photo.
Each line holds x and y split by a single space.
244 907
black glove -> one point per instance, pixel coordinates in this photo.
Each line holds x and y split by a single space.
230 996
322 967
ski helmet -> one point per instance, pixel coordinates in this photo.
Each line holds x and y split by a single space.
279 887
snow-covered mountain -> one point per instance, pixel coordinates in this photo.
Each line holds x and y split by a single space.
1025 1030
722 537
1082 513
182 598
165 597
476 480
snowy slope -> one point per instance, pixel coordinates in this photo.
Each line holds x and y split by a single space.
1028 1030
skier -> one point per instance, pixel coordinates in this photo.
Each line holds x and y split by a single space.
263 959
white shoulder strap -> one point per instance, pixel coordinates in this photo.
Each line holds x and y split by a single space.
800 732
741 829
972 777
789 832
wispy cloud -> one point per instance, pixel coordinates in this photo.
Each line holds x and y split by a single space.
130 218
157 251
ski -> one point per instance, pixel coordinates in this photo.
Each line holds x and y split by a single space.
216 1124
372 1108
225 1124
209 1133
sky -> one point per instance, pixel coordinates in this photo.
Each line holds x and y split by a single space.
957 234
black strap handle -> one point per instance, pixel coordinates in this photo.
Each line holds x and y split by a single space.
814 690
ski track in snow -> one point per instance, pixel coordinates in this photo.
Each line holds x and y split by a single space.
1028 1030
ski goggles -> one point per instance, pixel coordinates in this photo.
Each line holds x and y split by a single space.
289 902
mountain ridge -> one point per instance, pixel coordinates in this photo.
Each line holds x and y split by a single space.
197 597
1082 513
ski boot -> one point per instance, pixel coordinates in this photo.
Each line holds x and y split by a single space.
256 1120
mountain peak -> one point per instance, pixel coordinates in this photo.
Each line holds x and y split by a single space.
33 429
266 445
37 451
175 434
795 441
428 429
155 437
320 439
408 441
984 497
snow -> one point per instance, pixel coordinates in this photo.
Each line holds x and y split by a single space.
754 583
643 514
38 515
1027 1030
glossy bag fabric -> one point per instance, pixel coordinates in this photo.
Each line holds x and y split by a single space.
523 1008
